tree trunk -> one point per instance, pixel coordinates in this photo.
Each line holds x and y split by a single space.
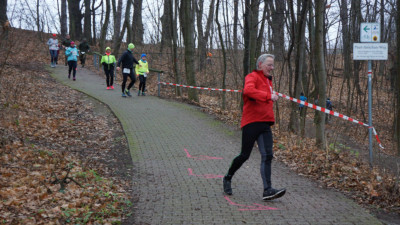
87 32
223 55
105 27
187 25
75 18
235 24
321 71
174 33
398 76
300 46
278 28
166 36
250 35
3 12
203 37
127 21
117 14
63 19
137 23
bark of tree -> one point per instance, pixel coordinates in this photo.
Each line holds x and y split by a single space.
300 64
203 38
187 24
250 35
63 19
87 31
75 19
174 33
3 12
321 71
235 24
105 27
137 23
125 27
166 21
260 38
398 76
117 14
223 55
346 37
356 21
278 27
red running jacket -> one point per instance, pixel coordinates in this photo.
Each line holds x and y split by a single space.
257 101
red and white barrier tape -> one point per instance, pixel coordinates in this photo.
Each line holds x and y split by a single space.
330 112
200 88
319 108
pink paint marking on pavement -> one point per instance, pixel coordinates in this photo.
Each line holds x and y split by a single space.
202 157
249 207
207 176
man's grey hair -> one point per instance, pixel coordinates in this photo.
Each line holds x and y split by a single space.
262 59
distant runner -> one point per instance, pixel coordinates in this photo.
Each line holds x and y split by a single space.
53 48
108 61
72 54
84 48
142 69
127 59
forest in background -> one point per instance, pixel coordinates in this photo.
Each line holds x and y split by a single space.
307 60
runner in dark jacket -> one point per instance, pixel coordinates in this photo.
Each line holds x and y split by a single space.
127 59
83 49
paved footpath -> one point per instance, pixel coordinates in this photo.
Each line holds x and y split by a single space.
180 155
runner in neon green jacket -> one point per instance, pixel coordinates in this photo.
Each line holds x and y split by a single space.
108 61
142 69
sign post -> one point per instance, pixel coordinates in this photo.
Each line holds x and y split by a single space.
371 49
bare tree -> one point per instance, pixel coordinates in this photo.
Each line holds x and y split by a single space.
117 14
87 33
278 27
137 23
223 54
321 71
75 19
174 32
250 35
3 12
105 26
203 36
397 130
298 36
187 26
63 18
166 21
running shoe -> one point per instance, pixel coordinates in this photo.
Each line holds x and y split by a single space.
227 186
124 95
74 79
143 94
127 92
108 88
69 76
112 87
271 194
138 94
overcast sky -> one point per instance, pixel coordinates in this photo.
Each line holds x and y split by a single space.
22 14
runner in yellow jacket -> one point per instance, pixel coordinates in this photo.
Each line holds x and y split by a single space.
108 61
142 69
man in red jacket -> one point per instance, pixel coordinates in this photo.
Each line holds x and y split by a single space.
257 119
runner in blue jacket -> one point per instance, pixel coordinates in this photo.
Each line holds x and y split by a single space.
72 54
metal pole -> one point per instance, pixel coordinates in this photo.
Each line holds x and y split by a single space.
370 110
159 85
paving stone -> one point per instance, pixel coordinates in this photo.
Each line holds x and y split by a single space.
175 189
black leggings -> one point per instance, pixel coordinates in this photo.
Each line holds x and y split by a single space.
142 84
109 76
72 66
125 76
261 132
